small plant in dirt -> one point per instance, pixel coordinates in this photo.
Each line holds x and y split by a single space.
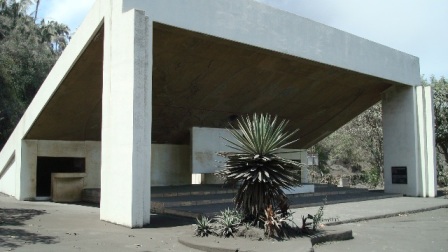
228 222
203 227
273 222
316 220
305 228
257 166
279 224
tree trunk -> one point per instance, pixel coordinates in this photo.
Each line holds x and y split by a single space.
37 9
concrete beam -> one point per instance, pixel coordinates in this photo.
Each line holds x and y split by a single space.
259 25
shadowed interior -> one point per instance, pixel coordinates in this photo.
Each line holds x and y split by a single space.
205 81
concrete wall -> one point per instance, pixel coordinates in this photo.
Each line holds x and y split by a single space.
170 164
10 164
32 149
8 177
19 179
207 142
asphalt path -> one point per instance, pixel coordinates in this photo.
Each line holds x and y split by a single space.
425 231
47 226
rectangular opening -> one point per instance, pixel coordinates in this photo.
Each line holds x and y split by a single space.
48 165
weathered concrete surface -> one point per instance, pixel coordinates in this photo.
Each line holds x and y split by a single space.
228 74
45 226
126 119
170 164
424 231
408 128
374 209
67 187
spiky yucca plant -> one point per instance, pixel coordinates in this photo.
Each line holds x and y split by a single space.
255 164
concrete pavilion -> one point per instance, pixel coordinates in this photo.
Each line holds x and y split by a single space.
139 75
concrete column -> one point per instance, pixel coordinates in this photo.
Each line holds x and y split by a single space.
26 174
425 112
126 119
408 141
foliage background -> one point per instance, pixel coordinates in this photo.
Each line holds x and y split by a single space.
28 51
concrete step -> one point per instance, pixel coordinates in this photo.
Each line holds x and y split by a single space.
189 200
205 198
190 190
168 196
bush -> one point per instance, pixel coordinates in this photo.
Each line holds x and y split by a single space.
372 177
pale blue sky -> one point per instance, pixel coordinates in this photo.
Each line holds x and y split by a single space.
417 27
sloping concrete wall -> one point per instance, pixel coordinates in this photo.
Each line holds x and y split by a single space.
91 24
8 177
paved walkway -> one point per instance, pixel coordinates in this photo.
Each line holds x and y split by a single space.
46 226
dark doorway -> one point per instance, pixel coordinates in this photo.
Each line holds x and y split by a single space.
48 165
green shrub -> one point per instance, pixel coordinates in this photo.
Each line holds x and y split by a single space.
372 177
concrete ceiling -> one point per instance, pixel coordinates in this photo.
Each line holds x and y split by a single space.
74 110
200 80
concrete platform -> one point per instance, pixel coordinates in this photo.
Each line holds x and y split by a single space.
208 200
194 201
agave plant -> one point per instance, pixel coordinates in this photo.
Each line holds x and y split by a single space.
228 222
256 165
203 226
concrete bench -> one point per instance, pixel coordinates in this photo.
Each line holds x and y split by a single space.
67 187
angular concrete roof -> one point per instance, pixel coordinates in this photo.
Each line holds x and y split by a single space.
216 59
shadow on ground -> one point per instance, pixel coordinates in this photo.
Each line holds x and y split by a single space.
442 192
12 236
166 220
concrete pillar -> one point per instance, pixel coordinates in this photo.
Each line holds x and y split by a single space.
425 112
126 119
26 160
409 166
